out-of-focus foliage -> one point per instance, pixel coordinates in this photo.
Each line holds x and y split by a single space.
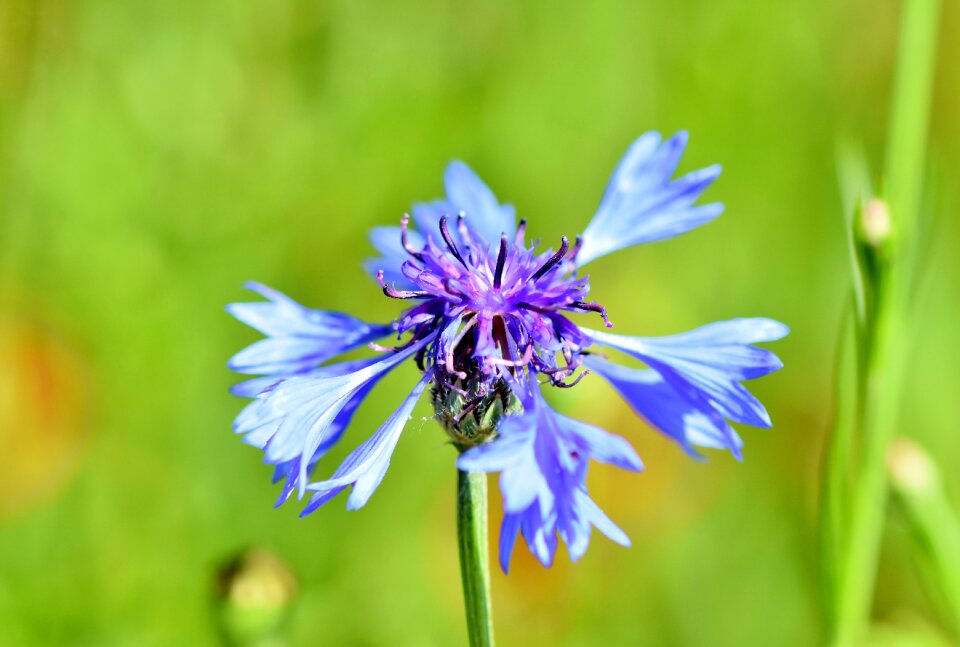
156 155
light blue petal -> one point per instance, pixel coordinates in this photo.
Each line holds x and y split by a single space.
298 338
540 535
366 466
705 367
650 396
598 518
484 214
255 386
392 273
290 470
427 217
642 204
505 452
603 446
542 458
293 419
283 355
387 241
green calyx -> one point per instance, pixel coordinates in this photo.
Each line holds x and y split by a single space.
473 420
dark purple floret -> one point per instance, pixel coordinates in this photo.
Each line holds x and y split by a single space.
500 309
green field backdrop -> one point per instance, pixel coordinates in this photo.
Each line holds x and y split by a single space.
156 155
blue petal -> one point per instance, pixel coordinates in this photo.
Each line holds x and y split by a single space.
387 241
391 272
600 520
366 466
542 458
297 416
651 397
602 446
508 539
704 367
484 214
291 469
298 338
427 217
642 204
255 386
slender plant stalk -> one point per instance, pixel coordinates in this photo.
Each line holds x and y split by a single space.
474 556
856 569
855 186
883 334
910 111
917 488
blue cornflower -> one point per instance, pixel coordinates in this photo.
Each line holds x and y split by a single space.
487 328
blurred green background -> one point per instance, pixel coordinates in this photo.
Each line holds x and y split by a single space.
155 155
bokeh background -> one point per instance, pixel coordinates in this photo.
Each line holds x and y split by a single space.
156 155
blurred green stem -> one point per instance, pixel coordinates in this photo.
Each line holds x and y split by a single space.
887 268
917 488
910 112
856 568
474 560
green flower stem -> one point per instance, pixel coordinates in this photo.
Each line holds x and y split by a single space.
856 569
888 268
910 112
917 488
474 556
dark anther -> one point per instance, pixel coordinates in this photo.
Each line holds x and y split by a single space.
403 238
546 267
521 232
394 293
448 286
530 306
501 259
445 232
421 355
577 244
566 385
593 307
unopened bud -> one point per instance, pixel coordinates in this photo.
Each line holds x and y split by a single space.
255 589
875 222
910 467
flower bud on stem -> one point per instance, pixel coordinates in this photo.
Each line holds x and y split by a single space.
855 479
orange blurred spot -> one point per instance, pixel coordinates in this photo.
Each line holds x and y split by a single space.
43 399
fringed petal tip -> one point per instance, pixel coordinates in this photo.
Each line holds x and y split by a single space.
305 415
298 338
365 467
693 384
643 204
542 458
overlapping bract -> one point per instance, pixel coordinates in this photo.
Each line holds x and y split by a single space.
491 311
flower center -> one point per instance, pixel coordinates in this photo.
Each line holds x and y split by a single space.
499 310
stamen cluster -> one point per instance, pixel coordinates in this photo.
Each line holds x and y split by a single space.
499 310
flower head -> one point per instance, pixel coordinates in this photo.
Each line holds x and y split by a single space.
487 325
